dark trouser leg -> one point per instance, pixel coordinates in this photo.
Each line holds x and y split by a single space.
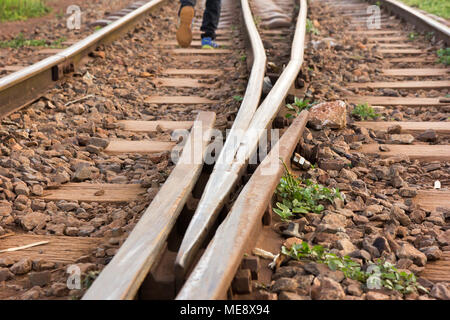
187 3
211 18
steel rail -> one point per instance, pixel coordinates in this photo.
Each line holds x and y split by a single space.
222 178
417 18
24 86
213 274
212 199
138 254
123 276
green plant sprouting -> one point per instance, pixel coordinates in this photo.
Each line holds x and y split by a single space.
298 106
444 56
12 10
310 28
90 278
238 98
20 42
299 197
364 111
412 36
377 275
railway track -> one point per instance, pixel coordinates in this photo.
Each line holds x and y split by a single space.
194 237
426 78
105 170
242 232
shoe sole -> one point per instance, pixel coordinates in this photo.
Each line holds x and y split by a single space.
184 32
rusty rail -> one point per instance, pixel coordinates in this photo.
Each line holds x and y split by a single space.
24 86
417 18
211 203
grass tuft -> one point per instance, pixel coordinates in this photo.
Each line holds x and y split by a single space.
440 8
300 197
364 111
13 10
20 42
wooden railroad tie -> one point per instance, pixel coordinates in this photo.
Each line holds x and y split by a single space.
413 151
416 85
424 72
59 249
396 101
441 127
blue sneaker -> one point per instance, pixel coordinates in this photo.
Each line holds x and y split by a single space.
208 43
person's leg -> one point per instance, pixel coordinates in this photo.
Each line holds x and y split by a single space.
185 3
211 19
186 13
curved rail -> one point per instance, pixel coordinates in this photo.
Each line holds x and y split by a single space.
222 178
24 86
214 273
228 172
139 252
417 18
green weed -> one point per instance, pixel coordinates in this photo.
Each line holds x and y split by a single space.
298 106
238 98
364 111
310 27
377 275
20 42
299 196
444 56
90 278
438 7
412 36
12 10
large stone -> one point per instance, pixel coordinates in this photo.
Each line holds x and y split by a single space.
432 253
333 223
428 136
408 192
276 23
304 283
99 142
441 291
32 294
329 290
407 251
401 138
6 262
373 209
59 289
373 295
345 246
331 164
329 114
5 209
82 174
39 278
22 266
320 269
286 295
399 214
5 274
348 174
285 284
381 244
21 188
33 219
287 272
